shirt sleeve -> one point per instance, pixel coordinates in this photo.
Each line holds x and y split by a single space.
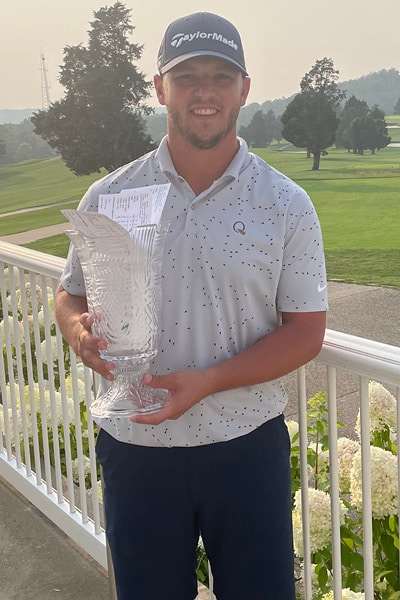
303 281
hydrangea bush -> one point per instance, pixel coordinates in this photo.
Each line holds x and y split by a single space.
39 408
384 491
44 410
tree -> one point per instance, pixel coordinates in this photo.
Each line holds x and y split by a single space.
361 128
156 126
99 122
244 133
321 81
273 127
352 109
380 138
257 130
396 108
262 129
21 143
310 120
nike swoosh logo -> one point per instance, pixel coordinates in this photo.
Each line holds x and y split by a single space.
321 288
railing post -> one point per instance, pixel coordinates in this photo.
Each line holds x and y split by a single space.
334 482
366 491
303 440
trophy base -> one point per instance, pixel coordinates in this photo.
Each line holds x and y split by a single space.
127 395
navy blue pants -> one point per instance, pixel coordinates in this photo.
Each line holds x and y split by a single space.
235 493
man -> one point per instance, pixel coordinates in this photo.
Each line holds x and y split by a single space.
244 303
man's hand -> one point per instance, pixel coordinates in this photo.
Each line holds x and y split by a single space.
89 347
185 388
291 345
76 326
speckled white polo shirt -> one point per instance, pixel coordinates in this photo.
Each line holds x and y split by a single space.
236 256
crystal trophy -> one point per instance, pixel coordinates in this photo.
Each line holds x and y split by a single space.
122 274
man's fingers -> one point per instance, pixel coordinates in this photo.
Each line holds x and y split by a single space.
86 320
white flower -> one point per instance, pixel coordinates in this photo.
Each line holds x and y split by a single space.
347 594
382 409
322 456
15 328
50 312
75 468
346 450
383 482
80 387
81 371
26 295
9 417
17 407
8 275
55 407
314 577
293 429
52 348
320 520
99 490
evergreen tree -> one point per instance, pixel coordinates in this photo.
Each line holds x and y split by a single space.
273 127
362 129
99 122
310 120
352 109
257 130
22 143
244 133
380 139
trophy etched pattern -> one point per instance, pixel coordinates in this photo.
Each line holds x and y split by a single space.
122 273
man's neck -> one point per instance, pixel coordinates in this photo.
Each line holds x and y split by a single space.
200 168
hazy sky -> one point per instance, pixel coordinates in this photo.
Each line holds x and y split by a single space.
282 39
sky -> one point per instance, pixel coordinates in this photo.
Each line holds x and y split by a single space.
282 40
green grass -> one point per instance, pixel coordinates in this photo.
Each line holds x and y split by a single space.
57 245
34 219
39 183
394 134
357 199
393 120
364 266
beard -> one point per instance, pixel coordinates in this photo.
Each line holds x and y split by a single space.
206 141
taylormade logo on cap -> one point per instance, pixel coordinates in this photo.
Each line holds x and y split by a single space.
200 34
179 38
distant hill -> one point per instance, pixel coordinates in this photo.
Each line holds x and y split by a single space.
381 88
16 116
9 115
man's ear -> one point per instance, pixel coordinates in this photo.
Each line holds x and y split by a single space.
159 87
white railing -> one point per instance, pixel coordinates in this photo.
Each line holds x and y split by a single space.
47 437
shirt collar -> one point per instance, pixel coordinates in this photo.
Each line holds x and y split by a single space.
233 171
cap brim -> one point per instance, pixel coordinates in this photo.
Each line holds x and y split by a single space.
180 59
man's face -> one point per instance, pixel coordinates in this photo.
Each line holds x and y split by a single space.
203 96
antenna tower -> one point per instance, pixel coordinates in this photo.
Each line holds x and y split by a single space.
44 83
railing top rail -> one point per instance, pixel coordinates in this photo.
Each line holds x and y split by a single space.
32 260
361 356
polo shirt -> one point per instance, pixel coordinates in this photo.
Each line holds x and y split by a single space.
236 256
